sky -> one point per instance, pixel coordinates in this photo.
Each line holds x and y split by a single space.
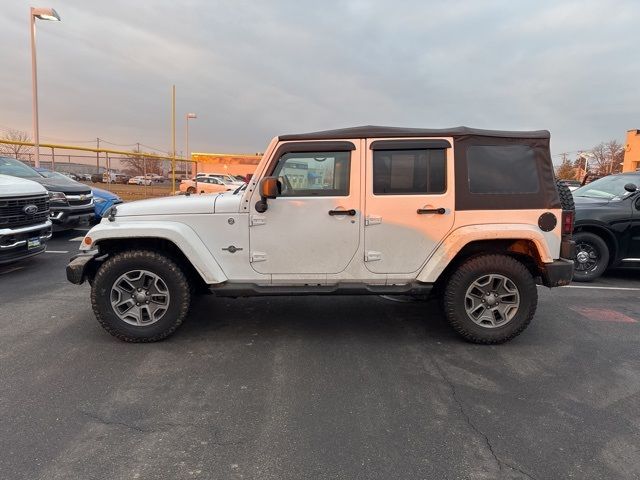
252 70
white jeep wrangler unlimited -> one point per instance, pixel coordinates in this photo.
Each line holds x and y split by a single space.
365 210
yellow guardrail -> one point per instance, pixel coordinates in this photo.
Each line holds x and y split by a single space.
98 150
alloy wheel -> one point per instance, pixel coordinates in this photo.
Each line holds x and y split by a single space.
492 300
139 297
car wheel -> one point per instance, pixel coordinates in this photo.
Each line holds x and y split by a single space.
140 296
592 256
490 299
191 190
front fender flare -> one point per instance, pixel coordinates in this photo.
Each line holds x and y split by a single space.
181 235
457 239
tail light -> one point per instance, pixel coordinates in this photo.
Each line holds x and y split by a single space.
567 222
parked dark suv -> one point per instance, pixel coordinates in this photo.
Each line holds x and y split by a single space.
607 225
71 202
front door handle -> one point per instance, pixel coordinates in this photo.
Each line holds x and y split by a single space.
437 211
351 212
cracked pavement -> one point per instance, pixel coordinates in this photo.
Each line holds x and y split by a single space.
326 388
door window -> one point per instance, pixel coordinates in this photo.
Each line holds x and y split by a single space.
304 174
409 172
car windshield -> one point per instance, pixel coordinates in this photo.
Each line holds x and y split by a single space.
15 168
53 175
609 188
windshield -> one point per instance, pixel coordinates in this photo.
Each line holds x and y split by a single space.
609 188
49 174
15 168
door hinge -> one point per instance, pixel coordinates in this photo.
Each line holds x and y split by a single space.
258 257
257 220
372 256
373 220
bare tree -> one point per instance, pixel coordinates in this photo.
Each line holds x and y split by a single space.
142 165
606 158
21 152
615 153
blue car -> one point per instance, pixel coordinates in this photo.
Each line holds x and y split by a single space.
103 201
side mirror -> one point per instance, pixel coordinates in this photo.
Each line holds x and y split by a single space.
270 187
630 187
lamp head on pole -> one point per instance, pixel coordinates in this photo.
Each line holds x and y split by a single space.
45 14
191 115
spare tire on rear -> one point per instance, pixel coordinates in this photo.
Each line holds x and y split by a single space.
566 197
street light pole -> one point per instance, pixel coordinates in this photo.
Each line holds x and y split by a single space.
42 14
186 141
173 140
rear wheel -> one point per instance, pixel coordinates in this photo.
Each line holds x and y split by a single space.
592 257
140 296
490 299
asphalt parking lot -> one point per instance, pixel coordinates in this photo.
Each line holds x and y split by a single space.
306 388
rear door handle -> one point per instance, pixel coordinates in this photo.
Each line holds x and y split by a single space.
351 212
426 211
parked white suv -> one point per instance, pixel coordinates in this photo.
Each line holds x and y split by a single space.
366 210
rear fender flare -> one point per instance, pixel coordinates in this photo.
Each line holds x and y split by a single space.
457 239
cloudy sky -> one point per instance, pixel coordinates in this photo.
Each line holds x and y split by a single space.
254 69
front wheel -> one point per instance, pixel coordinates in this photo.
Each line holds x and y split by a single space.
592 257
490 299
140 296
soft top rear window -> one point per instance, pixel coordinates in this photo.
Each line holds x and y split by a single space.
502 169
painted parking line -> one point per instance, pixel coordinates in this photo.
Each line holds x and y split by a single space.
627 289
603 315
76 239
57 251
9 270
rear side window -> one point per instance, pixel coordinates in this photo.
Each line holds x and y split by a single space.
407 172
506 169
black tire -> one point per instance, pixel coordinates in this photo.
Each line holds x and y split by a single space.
480 267
191 190
566 197
167 270
588 269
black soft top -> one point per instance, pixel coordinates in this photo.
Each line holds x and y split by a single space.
373 131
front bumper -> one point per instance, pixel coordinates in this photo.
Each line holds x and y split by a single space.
80 266
15 243
557 273
69 217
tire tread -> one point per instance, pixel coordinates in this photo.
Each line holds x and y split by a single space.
132 256
456 282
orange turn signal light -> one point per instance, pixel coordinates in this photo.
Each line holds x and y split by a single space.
88 240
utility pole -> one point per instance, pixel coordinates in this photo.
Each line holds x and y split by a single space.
97 155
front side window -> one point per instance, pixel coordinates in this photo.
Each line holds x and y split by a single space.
409 172
304 174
